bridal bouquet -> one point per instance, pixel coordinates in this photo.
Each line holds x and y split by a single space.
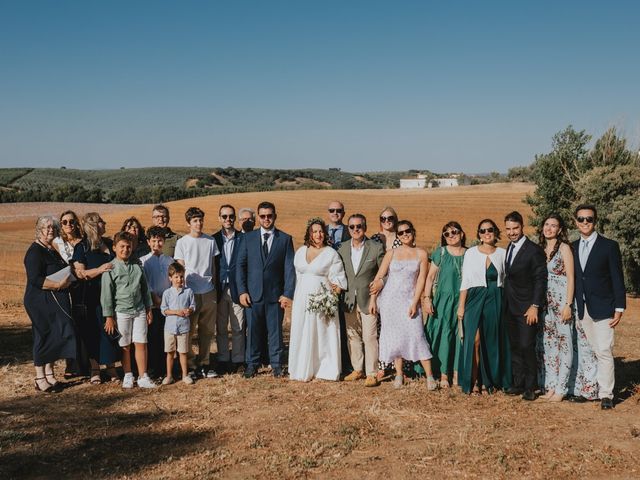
324 302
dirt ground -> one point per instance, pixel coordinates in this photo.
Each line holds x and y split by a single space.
273 428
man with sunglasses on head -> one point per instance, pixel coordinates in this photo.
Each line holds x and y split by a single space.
230 312
525 290
160 218
600 295
362 258
337 232
266 280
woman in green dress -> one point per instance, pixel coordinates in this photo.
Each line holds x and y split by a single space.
485 359
443 284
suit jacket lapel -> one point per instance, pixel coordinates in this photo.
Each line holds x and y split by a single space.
348 265
519 253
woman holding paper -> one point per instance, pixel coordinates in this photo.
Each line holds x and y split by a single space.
47 303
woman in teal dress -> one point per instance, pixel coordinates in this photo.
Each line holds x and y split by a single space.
441 328
485 360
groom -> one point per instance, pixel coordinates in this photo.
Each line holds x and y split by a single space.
266 279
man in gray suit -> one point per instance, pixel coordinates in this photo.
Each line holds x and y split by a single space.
361 258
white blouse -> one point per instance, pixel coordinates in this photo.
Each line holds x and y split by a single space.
474 267
64 248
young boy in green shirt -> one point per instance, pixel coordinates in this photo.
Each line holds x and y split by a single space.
126 296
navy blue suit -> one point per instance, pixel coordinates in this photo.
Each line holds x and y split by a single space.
601 285
265 280
226 267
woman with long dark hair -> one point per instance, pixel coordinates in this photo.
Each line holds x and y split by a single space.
441 302
556 345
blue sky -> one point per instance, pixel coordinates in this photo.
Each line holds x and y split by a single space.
361 85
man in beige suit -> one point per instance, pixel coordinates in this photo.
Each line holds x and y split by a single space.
361 258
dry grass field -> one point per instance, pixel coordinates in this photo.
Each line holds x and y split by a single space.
273 428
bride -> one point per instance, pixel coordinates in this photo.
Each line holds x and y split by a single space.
314 348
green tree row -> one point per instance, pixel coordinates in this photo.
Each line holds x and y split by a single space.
606 175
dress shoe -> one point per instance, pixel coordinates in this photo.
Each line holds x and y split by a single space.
514 391
529 395
355 375
576 399
277 372
250 372
606 404
371 381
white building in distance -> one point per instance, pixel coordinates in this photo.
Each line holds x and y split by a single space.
421 182
443 182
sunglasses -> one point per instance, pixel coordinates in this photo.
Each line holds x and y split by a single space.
390 218
68 222
266 216
336 210
355 226
451 233
408 231
229 216
585 219
487 230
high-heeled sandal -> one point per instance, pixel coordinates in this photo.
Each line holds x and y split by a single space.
55 382
95 377
48 389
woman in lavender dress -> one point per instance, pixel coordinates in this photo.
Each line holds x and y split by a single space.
402 333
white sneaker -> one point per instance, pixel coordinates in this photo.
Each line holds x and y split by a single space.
188 380
146 382
167 380
128 380
212 373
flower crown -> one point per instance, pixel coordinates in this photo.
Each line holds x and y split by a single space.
313 220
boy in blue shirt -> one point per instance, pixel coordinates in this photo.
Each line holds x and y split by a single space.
156 269
178 303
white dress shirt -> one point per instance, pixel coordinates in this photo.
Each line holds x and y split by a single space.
516 248
584 249
356 255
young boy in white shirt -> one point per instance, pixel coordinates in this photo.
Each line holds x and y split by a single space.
178 303
196 252
156 269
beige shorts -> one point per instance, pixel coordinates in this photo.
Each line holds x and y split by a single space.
132 327
176 342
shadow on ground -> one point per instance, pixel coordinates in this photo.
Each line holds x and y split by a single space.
75 435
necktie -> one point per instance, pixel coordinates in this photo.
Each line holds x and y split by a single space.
265 245
510 255
332 234
584 253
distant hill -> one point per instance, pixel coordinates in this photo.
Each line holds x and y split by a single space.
154 184
162 184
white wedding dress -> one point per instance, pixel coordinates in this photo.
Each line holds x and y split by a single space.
314 346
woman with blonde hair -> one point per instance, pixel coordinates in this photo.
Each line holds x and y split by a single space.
70 235
91 258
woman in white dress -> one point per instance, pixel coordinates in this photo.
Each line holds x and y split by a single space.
314 347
